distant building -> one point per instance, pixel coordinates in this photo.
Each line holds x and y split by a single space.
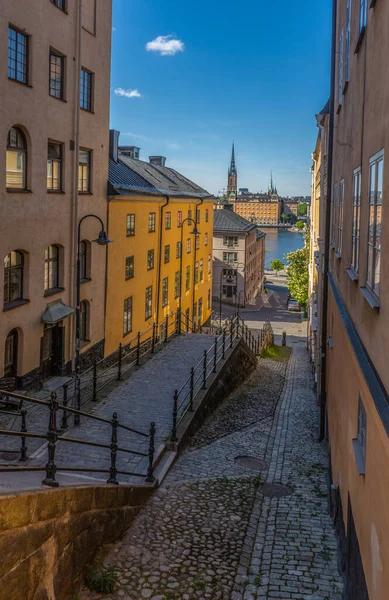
232 183
238 257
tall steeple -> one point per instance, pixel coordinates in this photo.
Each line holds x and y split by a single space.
232 184
272 185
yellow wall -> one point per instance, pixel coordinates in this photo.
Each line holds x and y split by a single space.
118 289
266 212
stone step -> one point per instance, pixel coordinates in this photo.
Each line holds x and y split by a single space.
164 466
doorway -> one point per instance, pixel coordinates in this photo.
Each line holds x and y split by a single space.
52 351
11 354
356 583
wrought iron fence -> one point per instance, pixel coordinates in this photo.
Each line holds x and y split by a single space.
54 436
234 327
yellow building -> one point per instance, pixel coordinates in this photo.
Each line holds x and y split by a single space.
152 214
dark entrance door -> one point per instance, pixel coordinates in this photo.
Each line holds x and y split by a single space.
11 354
356 583
52 354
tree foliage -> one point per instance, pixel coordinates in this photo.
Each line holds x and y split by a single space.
277 265
300 224
297 275
302 209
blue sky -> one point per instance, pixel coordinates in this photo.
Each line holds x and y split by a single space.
252 71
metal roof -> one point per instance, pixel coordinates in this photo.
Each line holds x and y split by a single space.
131 175
227 220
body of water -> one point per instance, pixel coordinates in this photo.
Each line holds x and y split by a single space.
280 242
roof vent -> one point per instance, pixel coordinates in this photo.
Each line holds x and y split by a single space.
113 144
130 151
157 161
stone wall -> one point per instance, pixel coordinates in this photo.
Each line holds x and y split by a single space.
48 537
238 365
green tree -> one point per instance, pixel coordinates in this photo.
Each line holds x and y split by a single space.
302 209
277 265
284 218
300 224
292 218
297 274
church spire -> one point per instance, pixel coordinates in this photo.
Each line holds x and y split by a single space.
232 170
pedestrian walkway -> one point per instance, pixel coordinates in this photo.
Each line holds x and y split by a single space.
220 527
146 396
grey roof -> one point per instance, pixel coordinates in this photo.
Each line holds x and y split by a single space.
227 220
131 175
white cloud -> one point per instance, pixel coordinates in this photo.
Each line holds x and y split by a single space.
165 45
127 93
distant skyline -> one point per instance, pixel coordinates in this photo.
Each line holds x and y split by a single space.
187 81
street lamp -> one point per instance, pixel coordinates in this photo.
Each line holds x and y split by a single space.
194 232
102 240
229 280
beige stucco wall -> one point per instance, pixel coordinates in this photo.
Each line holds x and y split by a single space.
33 220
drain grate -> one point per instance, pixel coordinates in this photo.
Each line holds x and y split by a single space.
250 462
276 490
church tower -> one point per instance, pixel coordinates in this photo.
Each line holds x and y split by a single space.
232 184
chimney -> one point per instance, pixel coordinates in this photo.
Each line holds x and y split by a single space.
113 144
228 206
130 151
157 161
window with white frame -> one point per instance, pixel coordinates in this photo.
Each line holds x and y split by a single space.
340 68
348 40
362 14
375 222
340 217
334 206
356 219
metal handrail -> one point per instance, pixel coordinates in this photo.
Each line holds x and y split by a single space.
53 436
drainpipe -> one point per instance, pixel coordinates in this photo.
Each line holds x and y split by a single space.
323 340
74 194
194 262
160 258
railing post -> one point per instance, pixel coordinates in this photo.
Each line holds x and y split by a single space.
138 348
284 338
64 422
237 326
23 429
224 344
120 361
187 323
114 449
77 394
166 328
175 410
52 439
191 389
94 389
215 356
150 476
205 370
231 332
153 340
178 327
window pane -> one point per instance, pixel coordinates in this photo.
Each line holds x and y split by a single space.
17 56
86 90
16 169
56 76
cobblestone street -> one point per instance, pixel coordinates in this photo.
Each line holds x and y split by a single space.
221 526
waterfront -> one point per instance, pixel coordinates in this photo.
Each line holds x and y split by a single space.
280 242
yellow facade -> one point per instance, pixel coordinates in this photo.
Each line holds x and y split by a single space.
196 299
265 212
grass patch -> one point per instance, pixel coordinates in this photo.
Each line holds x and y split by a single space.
103 581
280 353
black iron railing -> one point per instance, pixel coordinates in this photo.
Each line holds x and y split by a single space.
235 327
54 436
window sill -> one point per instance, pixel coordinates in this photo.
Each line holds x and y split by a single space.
130 234
60 99
127 334
330 342
338 255
332 246
91 112
17 191
84 193
360 460
20 82
370 297
338 109
148 318
129 278
14 304
345 88
352 274
59 192
54 291
84 343
360 39
86 280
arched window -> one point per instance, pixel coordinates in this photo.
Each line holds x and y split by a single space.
51 267
84 321
13 276
16 160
